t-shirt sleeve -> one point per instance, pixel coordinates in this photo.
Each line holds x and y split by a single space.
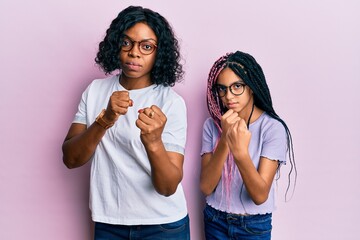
275 143
209 136
80 116
174 134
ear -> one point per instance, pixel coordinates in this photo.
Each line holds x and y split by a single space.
251 91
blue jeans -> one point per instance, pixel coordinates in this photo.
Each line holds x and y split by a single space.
222 225
179 230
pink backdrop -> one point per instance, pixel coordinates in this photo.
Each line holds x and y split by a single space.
309 51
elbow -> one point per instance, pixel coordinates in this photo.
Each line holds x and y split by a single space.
72 160
205 189
260 199
165 186
166 192
166 189
69 164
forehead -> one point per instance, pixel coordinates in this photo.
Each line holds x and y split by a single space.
140 31
227 77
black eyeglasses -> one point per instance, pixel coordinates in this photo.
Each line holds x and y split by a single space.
237 88
145 46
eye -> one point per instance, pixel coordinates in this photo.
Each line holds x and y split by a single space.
125 42
220 88
147 46
237 86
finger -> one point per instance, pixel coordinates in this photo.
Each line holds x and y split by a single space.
228 113
151 114
242 124
123 99
148 112
121 95
131 103
119 102
234 126
158 112
120 107
233 118
145 119
141 125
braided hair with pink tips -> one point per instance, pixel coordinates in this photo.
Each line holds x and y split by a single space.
246 67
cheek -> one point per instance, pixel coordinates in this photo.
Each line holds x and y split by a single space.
150 62
121 55
223 101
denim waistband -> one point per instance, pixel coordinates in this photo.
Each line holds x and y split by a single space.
236 217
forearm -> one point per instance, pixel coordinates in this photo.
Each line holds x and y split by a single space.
255 185
78 149
212 166
165 175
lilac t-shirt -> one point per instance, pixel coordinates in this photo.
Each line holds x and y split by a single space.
268 139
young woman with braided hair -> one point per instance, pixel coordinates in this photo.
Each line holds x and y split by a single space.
244 144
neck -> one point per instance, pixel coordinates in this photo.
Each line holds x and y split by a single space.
251 112
134 83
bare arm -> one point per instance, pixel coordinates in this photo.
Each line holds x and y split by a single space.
213 163
211 167
81 142
257 181
166 167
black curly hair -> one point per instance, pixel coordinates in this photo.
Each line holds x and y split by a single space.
167 68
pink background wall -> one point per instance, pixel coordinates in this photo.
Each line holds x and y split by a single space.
309 51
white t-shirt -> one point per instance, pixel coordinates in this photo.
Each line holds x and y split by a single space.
121 190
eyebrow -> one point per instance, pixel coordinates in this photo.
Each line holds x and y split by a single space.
143 40
238 81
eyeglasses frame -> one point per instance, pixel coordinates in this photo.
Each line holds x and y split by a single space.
215 89
138 43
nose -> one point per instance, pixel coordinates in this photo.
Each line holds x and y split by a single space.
134 51
228 94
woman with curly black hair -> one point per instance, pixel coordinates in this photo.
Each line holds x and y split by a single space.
132 126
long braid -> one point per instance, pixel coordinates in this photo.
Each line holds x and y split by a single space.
213 101
255 79
246 67
216 110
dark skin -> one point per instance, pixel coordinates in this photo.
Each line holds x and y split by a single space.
235 138
81 142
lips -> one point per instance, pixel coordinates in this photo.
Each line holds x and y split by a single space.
133 66
231 105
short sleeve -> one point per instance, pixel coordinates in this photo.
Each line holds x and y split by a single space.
80 116
209 136
174 134
275 143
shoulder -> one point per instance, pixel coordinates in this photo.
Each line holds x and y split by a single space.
104 82
101 86
266 122
209 126
209 123
270 127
